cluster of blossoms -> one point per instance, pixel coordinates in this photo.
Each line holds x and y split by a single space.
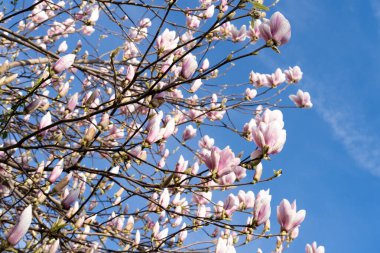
114 149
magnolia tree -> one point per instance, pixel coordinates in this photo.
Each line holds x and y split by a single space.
111 112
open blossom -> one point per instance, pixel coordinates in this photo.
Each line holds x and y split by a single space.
189 133
167 41
238 35
276 78
302 99
231 204
268 133
71 198
64 63
276 29
288 217
21 227
223 165
314 249
293 75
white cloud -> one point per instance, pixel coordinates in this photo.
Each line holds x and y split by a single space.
353 130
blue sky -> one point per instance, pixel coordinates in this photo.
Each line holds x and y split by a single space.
331 159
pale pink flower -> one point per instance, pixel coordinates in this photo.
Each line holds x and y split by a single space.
196 85
21 227
137 238
189 66
276 78
192 21
73 101
205 65
293 75
183 234
202 198
45 121
130 73
314 249
189 133
250 93
62 47
276 29
246 200
167 41
164 198
221 163
71 198
88 30
94 16
302 99
206 142
64 63
231 204
288 217
253 32
54 246
145 22
57 171
269 134
262 209
238 35
209 12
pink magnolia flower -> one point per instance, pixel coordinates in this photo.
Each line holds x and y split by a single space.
167 41
73 101
71 198
250 93
54 246
276 29
57 171
145 22
206 142
34 105
288 217
189 133
238 35
253 32
222 163
94 16
164 198
62 47
64 63
189 66
21 227
137 238
269 134
183 234
192 21
246 199
293 75
262 208
205 65
231 204
276 78
302 99
314 249
88 30
130 73
196 85
209 12
202 198
45 121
